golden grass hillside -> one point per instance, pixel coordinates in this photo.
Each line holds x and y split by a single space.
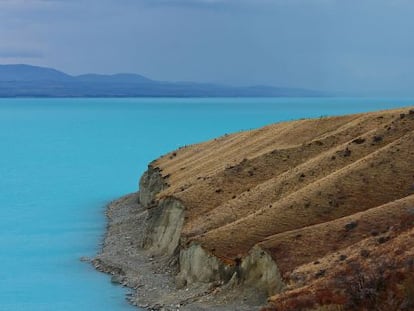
323 198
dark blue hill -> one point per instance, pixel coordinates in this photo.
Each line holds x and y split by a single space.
32 81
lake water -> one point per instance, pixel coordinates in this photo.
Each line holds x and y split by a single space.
62 160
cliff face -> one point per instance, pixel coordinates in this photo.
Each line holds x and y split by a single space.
274 208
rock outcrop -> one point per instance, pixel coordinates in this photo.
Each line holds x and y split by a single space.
150 184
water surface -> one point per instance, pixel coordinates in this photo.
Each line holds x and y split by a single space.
62 160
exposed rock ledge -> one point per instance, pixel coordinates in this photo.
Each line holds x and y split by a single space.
152 278
196 265
285 212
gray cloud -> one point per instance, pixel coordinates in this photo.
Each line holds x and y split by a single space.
19 53
349 45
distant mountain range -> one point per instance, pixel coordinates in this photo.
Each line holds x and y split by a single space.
33 81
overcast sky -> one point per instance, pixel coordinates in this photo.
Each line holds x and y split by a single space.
347 45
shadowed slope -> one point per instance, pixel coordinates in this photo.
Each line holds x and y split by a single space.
377 274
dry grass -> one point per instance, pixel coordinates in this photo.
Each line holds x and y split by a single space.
376 276
297 247
307 191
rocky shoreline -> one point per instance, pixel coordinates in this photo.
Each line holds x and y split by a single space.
152 278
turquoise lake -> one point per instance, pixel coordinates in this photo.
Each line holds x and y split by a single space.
63 160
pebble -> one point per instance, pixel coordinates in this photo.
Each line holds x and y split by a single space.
116 279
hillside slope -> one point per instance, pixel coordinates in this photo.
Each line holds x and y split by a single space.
291 210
